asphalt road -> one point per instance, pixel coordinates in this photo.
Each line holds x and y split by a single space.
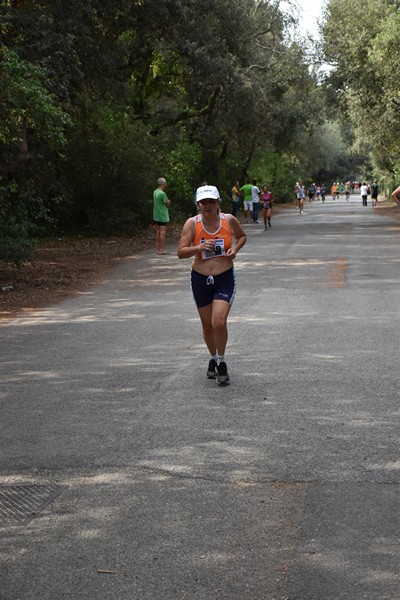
284 484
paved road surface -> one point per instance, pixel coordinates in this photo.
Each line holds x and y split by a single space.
283 485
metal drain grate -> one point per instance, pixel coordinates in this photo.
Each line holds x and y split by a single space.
20 503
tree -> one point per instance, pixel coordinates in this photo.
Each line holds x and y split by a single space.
364 57
30 117
26 105
123 91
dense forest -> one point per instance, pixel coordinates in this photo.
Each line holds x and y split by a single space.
98 98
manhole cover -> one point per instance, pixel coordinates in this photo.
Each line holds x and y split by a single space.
20 503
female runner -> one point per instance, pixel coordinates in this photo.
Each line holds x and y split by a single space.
266 200
207 238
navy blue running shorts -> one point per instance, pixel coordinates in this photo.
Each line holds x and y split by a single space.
213 287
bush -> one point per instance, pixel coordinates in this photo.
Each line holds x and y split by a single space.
22 215
16 250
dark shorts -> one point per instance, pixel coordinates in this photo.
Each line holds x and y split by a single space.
218 287
267 205
161 223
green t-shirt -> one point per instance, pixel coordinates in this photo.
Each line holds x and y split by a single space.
247 195
160 209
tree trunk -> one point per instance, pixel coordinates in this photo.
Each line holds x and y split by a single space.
250 155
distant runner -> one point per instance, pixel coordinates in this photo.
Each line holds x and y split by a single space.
364 193
311 192
323 192
300 193
235 198
266 199
374 193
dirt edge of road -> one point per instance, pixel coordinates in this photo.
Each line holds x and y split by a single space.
64 267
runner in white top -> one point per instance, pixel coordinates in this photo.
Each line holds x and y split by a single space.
255 196
300 193
364 193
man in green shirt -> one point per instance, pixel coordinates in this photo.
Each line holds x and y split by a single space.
161 214
246 190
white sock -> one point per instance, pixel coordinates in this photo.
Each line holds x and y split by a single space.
220 359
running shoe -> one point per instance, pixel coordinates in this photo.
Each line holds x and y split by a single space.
211 371
222 376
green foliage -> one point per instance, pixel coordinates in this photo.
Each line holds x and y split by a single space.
25 97
365 57
182 166
112 162
277 170
101 98
32 128
22 216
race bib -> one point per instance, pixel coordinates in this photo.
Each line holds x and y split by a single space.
217 250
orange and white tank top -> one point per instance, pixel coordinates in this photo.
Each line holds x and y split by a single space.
222 237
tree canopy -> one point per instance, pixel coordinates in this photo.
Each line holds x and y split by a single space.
361 42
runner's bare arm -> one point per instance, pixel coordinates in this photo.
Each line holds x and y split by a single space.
395 195
238 234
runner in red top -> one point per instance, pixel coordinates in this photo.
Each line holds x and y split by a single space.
266 199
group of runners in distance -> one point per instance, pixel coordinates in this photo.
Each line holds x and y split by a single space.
337 189
253 200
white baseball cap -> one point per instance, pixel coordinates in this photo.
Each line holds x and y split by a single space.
207 191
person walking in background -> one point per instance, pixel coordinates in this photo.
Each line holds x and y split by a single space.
255 198
323 192
235 198
161 204
311 192
364 193
374 193
247 199
300 193
266 199
208 239
333 191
